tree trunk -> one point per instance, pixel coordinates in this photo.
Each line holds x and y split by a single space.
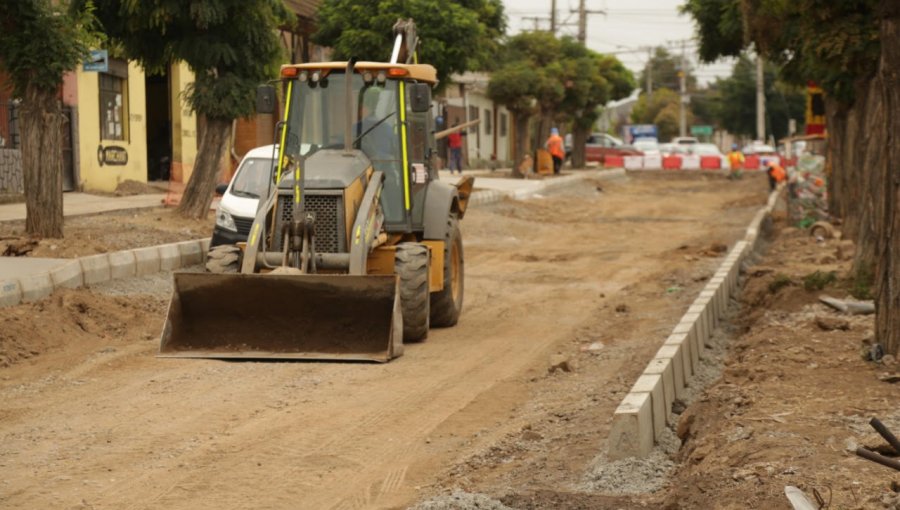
887 203
520 142
200 189
865 183
579 138
41 120
836 120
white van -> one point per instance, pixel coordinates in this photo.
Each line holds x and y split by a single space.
240 197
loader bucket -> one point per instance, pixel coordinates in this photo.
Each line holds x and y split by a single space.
260 316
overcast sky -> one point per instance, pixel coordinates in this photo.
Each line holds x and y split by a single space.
627 28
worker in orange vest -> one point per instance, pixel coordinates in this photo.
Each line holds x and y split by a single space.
736 161
776 174
555 148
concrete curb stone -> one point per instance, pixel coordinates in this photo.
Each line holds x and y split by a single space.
169 257
36 286
122 264
146 260
95 268
191 253
637 417
68 275
10 292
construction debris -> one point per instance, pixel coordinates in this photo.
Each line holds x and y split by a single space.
849 306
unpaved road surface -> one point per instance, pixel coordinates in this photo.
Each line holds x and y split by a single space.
90 419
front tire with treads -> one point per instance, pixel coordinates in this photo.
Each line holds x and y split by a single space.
446 304
411 265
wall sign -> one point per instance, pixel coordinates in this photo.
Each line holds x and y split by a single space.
112 155
98 61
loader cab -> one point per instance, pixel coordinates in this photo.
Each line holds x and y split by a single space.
387 108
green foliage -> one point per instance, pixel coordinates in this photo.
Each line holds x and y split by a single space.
736 111
41 39
660 108
557 75
780 281
664 67
832 42
719 27
456 35
819 280
230 45
860 283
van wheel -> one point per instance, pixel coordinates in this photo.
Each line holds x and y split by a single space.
446 304
411 266
225 258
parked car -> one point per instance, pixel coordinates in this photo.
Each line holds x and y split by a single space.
648 147
600 145
240 198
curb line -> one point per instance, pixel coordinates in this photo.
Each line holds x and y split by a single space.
641 417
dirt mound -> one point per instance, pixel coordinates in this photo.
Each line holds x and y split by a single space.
72 317
793 401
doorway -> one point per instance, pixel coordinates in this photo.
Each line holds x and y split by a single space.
159 126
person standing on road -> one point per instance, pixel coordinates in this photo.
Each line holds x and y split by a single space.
454 142
555 148
735 161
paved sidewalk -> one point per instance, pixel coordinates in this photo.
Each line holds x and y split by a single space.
75 204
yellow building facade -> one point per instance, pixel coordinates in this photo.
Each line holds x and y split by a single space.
131 126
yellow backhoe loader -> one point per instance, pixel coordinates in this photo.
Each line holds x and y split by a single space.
357 247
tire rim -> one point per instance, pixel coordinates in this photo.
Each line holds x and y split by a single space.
454 272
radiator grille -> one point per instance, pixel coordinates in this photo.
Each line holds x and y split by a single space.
243 225
329 220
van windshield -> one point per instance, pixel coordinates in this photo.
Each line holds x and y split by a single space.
252 178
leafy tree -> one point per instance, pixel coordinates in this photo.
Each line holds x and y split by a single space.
40 40
231 47
661 108
529 82
664 67
850 49
591 80
737 110
456 35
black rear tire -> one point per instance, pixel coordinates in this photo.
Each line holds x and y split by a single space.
446 304
411 263
224 258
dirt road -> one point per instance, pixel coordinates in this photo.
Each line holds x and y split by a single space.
91 419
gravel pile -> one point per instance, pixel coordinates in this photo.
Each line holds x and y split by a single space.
461 500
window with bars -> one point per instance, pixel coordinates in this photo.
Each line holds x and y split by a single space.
113 107
503 124
487 121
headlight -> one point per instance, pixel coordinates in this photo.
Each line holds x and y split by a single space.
224 220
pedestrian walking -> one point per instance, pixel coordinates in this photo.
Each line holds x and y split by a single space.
554 146
454 142
735 161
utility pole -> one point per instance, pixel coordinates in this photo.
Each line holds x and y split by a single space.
553 17
760 101
649 71
682 78
582 21
536 20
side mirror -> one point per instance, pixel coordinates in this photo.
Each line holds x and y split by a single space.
420 97
221 189
265 99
